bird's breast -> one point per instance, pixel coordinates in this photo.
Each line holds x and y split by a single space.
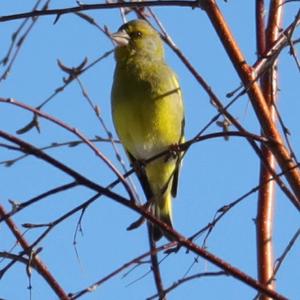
147 112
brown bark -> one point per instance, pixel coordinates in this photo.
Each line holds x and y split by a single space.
266 196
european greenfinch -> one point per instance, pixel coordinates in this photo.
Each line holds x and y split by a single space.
148 114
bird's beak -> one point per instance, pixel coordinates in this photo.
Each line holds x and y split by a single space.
121 38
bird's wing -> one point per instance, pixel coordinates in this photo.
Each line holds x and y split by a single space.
178 164
141 174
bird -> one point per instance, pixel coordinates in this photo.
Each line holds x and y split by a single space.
148 115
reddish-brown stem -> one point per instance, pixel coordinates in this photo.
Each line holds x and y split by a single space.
155 266
260 27
255 94
35 260
266 197
264 224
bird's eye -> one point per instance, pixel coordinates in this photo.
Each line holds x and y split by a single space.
136 35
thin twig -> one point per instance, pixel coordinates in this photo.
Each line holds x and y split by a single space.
35 259
72 78
135 261
79 135
18 43
73 143
279 261
187 279
113 5
109 135
155 265
59 220
17 207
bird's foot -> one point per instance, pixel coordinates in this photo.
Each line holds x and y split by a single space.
174 152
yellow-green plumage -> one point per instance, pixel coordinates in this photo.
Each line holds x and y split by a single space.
148 111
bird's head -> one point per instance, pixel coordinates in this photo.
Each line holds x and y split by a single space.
137 38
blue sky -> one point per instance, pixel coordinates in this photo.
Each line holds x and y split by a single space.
214 172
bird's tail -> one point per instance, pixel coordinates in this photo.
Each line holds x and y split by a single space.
163 211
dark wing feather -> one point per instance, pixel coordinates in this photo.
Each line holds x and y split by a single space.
141 174
178 163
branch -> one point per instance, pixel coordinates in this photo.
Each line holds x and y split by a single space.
20 42
86 7
73 143
155 265
273 51
96 110
256 96
134 261
266 196
260 67
286 251
181 240
75 131
260 27
76 73
222 211
186 279
28 148
19 206
40 266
